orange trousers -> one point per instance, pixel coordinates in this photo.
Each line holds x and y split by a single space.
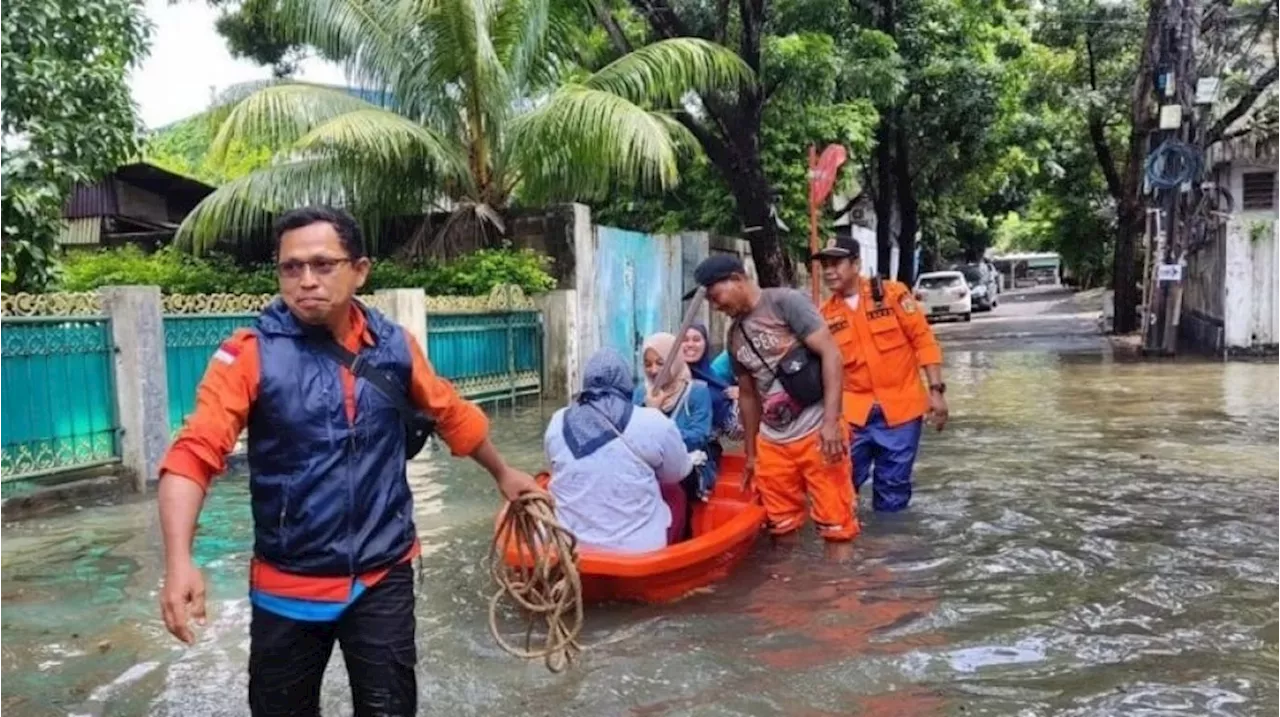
787 473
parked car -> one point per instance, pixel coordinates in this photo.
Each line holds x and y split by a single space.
984 285
944 294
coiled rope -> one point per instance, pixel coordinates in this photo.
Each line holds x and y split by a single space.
543 581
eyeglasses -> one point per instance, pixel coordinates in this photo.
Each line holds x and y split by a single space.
323 266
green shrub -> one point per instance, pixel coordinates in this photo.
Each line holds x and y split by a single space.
178 273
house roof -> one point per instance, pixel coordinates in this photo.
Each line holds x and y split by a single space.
99 199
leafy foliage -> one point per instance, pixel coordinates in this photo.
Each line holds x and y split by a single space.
67 116
810 104
183 147
480 109
177 272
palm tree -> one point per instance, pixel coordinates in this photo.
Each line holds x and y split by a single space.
481 105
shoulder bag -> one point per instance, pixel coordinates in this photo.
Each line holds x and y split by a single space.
799 371
418 426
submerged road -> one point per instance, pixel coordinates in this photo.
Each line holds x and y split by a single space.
1089 536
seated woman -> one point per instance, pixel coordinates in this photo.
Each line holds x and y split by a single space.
687 402
608 459
718 375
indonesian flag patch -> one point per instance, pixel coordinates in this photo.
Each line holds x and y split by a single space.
227 354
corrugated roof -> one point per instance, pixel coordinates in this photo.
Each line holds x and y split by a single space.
100 200
92 200
81 232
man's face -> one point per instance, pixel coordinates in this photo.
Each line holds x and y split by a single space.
840 275
730 296
317 276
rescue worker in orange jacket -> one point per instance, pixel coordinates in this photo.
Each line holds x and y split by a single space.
885 340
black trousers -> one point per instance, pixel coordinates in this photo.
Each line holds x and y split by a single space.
287 657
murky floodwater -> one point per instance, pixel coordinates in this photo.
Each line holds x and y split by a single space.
1088 538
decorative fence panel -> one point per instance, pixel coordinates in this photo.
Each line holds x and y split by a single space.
59 410
59 387
490 356
189 342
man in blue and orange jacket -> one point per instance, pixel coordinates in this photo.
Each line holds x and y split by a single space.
333 514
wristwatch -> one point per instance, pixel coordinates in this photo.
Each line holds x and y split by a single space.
939 388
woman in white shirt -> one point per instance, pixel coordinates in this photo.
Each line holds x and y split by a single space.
607 459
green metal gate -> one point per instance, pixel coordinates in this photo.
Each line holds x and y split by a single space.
189 342
59 399
488 356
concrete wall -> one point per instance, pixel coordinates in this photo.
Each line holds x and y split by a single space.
562 360
1200 326
142 390
1250 283
614 286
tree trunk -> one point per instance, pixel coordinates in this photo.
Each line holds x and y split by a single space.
907 204
753 195
1124 267
884 197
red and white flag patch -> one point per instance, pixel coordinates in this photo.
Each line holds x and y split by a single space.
227 353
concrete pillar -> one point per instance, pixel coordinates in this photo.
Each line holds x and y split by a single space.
407 307
1238 287
142 386
562 359
584 251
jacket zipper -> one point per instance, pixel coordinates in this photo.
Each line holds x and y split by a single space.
351 493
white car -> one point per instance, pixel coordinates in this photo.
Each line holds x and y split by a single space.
944 294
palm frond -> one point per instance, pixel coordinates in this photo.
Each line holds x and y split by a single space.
373 40
520 36
584 143
277 116
465 57
386 139
663 72
242 208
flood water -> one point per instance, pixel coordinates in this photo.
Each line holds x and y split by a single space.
1088 537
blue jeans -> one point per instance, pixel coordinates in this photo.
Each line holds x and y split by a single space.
892 453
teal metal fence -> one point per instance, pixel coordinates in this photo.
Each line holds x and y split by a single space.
189 342
489 356
58 396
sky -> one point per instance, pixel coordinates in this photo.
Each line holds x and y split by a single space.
189 61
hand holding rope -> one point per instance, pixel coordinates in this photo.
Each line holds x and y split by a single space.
543 580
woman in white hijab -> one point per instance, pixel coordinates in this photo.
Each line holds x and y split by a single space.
687 402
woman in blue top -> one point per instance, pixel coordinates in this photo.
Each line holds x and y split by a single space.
718 375
687 402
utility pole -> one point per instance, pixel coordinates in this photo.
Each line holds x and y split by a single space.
1178 139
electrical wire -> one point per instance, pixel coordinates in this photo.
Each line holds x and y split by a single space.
1173 164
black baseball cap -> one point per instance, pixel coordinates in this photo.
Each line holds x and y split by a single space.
838 248
715 269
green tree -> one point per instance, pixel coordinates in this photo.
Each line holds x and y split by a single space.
810 57
811 108
480 105
942 144
66 118
183 147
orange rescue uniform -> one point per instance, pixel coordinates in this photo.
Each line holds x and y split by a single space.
883 345
788 472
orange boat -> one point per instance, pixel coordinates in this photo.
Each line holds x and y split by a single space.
724 529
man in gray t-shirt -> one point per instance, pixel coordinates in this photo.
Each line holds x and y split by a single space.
793 450
779 322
